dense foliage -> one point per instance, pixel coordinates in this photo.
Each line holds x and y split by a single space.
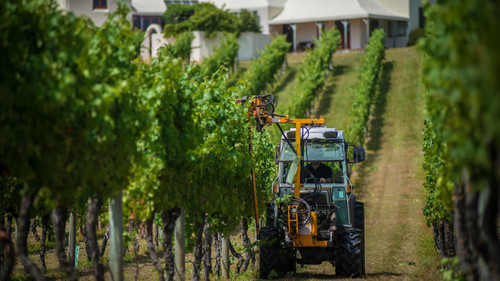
82 118
177 13
312 73
416 35
462 135
224 56
181 48
69 109
249 22
367 81
208 18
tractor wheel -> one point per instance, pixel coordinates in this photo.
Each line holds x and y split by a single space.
289 263
348 260
359 223
269 252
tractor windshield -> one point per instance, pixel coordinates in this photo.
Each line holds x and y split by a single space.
315 150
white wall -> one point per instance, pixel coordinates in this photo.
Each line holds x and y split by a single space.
202 46
275 30
250 45
306 32
413 12
263 19
358 33
153 40
62 4
84 7
331 24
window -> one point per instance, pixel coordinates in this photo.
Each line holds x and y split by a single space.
143 22
316 150
400 28
100 4
421 18
374 24
183 2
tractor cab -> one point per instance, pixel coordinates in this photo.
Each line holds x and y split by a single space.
324 145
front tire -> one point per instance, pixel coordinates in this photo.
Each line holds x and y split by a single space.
269 252
348 261
290 262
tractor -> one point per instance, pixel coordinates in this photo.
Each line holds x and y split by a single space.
310 220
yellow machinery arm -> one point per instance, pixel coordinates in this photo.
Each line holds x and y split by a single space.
258 110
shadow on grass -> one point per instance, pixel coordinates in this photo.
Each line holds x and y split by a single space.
291 72
376 124
236 76
323 276
326 97
379 106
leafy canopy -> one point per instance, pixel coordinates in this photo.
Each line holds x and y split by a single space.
208 18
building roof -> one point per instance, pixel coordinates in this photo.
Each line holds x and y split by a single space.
297 11
145 7
245 4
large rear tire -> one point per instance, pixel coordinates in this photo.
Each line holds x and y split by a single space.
269 252
348 262
289 264
359 223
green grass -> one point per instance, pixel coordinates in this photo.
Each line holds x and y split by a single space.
238 72
334 102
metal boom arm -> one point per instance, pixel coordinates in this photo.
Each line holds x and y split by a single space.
257 109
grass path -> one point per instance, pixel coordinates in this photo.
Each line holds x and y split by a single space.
398 243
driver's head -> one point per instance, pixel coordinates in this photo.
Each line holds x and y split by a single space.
315 164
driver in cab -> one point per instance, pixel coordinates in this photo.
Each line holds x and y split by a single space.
321 172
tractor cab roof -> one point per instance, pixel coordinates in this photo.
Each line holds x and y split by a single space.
317 133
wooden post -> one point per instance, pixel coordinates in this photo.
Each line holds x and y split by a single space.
294 29
367 35
225 258
72 236
394 33
180 250
320 26
346 25
16 221
116 237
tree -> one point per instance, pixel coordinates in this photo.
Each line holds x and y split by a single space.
208 18
249 22
461 72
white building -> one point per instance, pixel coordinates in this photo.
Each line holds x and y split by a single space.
265 10
302 20
147 15
143 12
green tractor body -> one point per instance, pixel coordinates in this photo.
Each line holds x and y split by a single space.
325 223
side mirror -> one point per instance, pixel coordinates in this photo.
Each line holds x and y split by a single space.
358 154
277 154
